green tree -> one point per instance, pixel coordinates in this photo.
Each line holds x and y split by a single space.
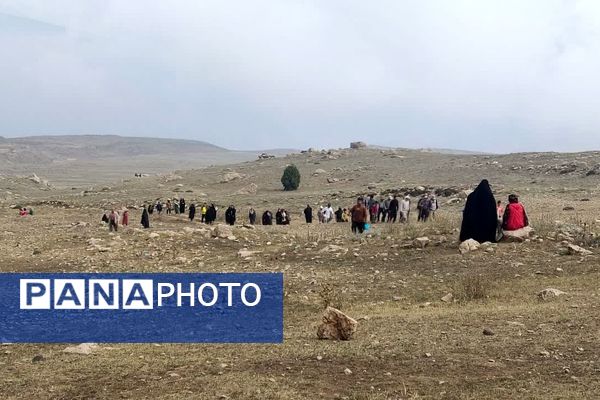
290 178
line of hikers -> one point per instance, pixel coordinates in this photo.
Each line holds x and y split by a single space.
383 210
484 219
208 214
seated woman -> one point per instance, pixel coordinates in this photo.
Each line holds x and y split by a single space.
480 217
515 216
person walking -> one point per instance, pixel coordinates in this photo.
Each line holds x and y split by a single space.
433 205
145 218
192 212
359 215
252 216
393 210
230 215
125 218
308 214
203 213
113 221
404 209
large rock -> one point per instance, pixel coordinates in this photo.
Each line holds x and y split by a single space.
468 245
336 325
520 235
222 231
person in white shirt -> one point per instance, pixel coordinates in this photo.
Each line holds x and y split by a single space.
328 213
404 209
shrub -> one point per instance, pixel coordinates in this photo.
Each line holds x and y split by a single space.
290 178
331 296
473 287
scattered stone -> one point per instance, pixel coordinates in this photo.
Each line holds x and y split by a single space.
252 188
421 242
488 332
332 248
550 293
468 245
222 231
231 176
34 178
574 249
348 371
448 298
245 253
520 235
83 348
568 208
38 358
336 325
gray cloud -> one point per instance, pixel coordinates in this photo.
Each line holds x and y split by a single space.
494 75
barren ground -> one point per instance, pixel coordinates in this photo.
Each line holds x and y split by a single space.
409 344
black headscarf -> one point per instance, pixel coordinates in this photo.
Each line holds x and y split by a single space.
480 217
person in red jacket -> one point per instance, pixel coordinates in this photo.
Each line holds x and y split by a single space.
515 216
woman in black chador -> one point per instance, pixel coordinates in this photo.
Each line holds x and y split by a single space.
145 218
480 217
192 212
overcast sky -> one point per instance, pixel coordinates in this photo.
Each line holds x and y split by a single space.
488 75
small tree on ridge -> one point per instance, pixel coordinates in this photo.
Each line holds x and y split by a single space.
290 178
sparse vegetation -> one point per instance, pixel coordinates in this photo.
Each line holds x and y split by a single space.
331 296
473 287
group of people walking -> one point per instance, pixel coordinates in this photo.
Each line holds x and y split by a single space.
115 218
484 219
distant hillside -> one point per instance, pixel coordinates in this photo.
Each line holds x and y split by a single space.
57 148
83 159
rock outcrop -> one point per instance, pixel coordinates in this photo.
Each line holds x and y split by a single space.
336 325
